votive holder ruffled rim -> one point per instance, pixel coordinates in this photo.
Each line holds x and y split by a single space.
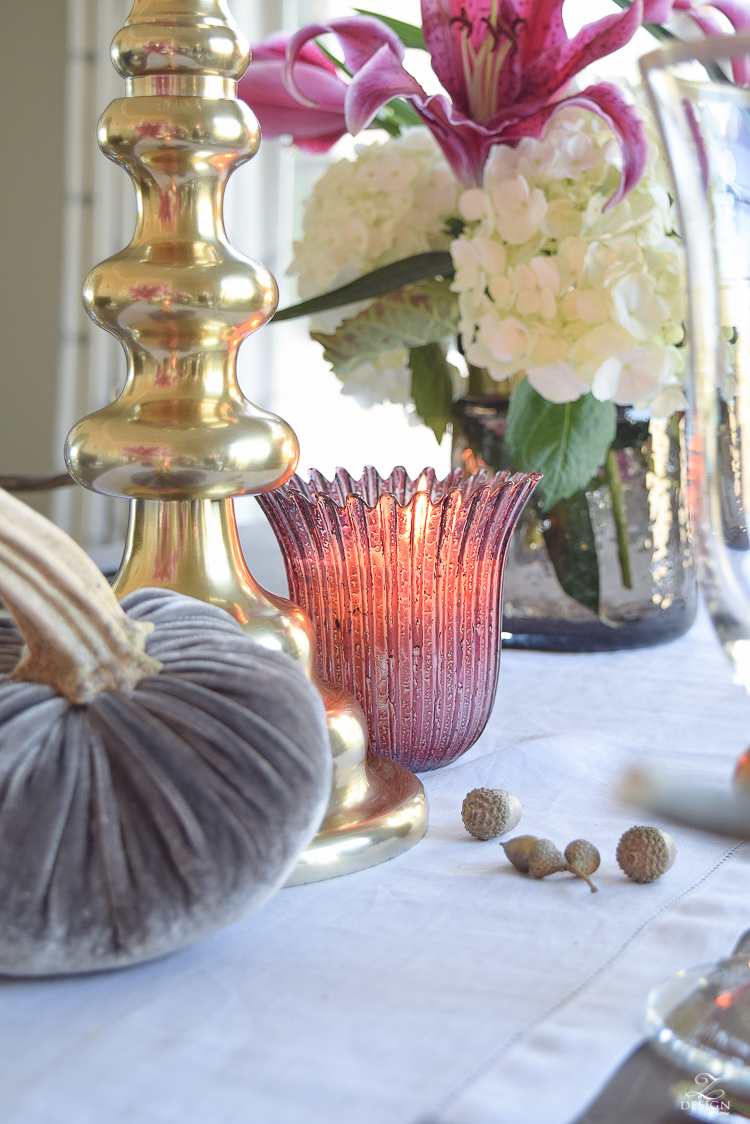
408 573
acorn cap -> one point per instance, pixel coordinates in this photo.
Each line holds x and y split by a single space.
545 859
645 853
489 812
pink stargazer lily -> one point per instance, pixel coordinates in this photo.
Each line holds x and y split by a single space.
505 65
278 111
738 15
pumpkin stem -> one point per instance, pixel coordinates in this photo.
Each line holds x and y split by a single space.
78 639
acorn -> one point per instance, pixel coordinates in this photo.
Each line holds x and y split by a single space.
518 850
545 859
489 812
645 853
583 859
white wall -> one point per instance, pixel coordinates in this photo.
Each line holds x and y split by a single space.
31 223
98 220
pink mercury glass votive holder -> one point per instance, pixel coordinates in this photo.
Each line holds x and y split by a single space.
403 582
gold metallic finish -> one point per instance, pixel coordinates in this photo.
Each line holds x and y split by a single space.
181 85
181 440
392 818
180 36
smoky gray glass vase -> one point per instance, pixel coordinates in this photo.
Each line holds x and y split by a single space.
610 567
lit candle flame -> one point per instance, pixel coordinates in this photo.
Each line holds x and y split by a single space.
421 507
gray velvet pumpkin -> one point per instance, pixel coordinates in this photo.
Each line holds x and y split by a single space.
142 804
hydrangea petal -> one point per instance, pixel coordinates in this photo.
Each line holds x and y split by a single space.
607 379
557 382
473 204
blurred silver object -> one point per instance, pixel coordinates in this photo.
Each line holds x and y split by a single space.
706 128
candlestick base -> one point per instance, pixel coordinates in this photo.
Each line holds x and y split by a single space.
378 809
389 819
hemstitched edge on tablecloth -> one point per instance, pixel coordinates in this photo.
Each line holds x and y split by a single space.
434 1117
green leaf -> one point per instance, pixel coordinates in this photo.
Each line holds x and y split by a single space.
403 112
408 33
332 58
413 316
394 115
431 386
566 441
391 126
571 547
420 267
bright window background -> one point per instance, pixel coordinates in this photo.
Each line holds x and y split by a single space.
281 368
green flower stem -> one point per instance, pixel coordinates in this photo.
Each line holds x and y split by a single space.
614 482
478 381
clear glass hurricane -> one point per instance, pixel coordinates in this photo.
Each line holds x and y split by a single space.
702 1017
706 127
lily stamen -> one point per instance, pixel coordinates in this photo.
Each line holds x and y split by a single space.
465 23
495 32
482 66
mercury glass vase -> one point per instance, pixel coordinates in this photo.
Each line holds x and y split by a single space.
610 567
403 581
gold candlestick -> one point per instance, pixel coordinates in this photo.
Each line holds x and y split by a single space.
181 440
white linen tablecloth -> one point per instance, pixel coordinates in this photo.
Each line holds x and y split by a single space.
442 987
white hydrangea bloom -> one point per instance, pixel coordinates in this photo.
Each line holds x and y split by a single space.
385 379
518 210
551 283
557 382
390 202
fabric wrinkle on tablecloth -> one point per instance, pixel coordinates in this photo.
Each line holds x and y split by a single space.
443 986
